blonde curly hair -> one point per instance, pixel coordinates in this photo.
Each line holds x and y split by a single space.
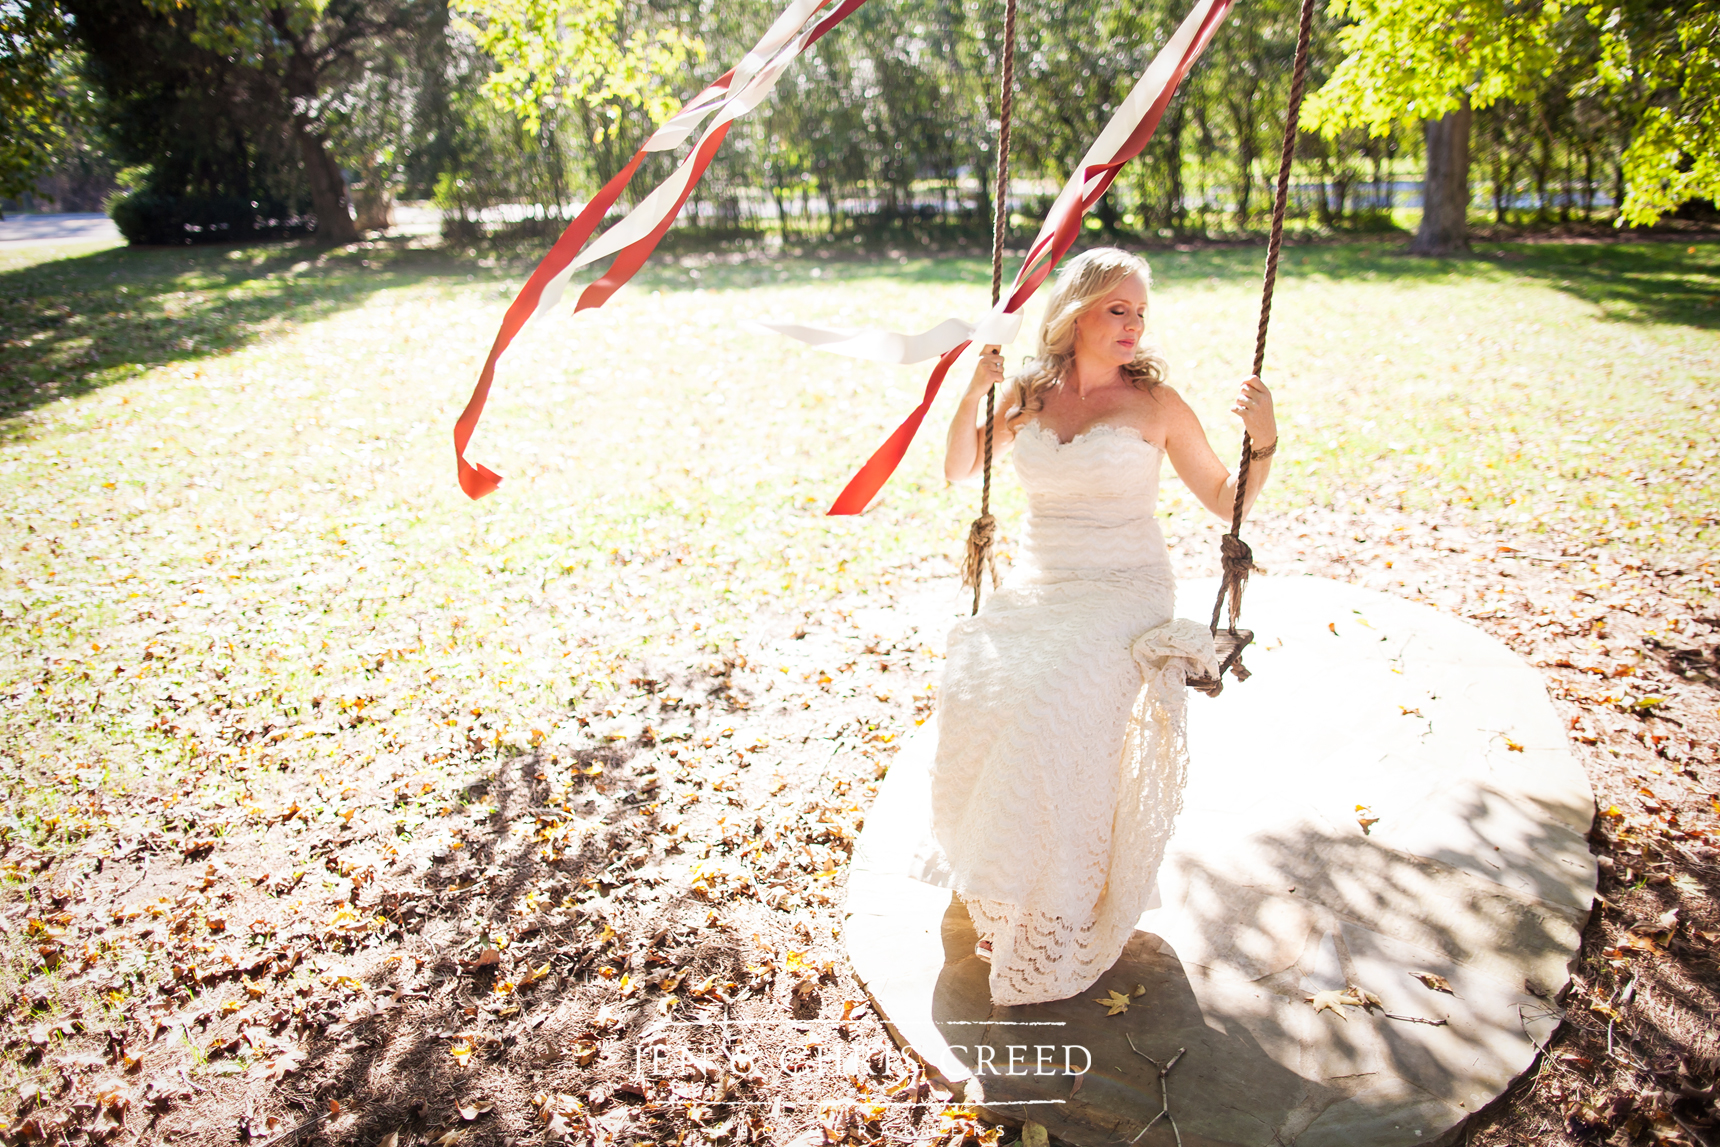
1083 283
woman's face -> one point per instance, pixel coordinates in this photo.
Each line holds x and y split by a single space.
1108 333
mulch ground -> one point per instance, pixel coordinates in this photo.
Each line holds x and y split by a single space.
460 943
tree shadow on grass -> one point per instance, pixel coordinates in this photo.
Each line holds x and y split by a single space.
559 906
1670 282
74 325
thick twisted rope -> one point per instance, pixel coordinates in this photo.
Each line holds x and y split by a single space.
983 532
1237 559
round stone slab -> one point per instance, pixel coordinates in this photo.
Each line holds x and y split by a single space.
1387 810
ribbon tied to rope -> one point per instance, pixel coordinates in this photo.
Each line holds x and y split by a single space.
633 238
1123 138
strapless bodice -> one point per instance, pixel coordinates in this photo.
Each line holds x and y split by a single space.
1091 502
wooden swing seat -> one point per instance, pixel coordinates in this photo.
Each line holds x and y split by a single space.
1230 643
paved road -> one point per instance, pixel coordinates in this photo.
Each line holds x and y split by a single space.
34 230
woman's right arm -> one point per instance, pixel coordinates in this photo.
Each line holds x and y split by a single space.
964 449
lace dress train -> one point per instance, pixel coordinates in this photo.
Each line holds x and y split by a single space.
1060 756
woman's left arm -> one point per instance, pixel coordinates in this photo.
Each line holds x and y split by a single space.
1199 467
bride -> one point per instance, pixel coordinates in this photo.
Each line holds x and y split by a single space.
1059 762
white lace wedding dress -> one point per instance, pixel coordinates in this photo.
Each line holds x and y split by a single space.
1060 756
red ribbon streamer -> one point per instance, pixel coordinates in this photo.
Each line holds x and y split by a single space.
632 257
479 480
1042 259
857 495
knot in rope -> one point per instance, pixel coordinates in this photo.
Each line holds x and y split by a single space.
1238 563
981 535
1238 559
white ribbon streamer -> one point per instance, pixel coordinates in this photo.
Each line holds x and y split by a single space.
754 78
999 326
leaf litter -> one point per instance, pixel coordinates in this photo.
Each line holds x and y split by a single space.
314 775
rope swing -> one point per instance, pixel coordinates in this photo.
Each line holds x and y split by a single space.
1237 559
983 533
1234 554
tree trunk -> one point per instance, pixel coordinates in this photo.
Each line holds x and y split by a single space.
1106 211
781 210
557 172
1565 191
1241 106
375 199
984 175
1543 173
1504 179
1445 192
1175 213
328 187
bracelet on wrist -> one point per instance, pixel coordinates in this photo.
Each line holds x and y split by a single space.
1263 452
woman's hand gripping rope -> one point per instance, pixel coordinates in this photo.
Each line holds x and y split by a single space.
1254 406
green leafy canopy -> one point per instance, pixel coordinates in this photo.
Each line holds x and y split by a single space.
33 91
553 54
1674 153
1407 60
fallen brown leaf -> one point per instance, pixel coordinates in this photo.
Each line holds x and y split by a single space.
1333 1001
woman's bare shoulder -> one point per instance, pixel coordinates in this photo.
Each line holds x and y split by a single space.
1166 417
1166 395
1161 405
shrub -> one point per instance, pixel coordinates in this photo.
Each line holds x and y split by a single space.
147 217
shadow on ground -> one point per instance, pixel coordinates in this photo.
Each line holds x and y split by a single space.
1258 1064
1673 282
74 325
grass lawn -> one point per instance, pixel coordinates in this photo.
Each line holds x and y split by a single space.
250 627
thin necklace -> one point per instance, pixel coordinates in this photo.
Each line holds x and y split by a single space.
1065 383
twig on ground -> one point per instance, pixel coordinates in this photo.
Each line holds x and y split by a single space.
1415 1019
292 1131
141 876
1164 1091
1688 1130
1368 1002
1545 1049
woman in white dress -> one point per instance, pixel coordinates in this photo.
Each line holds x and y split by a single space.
1060 757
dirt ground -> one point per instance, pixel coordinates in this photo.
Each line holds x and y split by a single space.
459 943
